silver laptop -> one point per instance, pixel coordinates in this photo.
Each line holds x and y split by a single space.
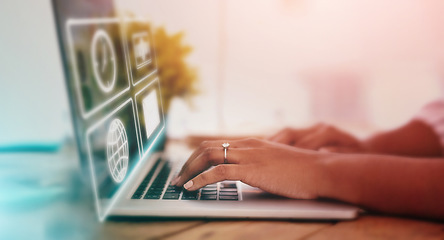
115 97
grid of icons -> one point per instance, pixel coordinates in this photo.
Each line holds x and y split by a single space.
117 91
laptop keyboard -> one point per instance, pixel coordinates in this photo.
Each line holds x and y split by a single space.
159 189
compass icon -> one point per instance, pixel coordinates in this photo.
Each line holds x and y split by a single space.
103 60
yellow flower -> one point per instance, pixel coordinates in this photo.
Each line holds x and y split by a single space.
177 78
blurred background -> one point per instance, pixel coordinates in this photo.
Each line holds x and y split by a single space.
259 65
262 65
254 67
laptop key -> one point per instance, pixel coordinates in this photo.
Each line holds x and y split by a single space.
228 198
190 197
171 191
136 196
228 185
139 191
145 182
228 193
141 188
208 193
208 197
190 193
155 191
150 196
171 196
228 190
209 189
174 189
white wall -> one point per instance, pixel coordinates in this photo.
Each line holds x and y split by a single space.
33 102
271 52
274 51
199 19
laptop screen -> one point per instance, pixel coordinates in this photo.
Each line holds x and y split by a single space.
111 77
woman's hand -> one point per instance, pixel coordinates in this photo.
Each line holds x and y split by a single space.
272 167
320 137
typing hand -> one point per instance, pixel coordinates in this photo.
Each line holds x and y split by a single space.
320 137
273 167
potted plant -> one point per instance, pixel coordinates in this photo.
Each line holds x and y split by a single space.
177 78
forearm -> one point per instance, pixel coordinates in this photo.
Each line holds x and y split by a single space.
389 184
413 139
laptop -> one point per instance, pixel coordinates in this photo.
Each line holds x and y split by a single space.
116 106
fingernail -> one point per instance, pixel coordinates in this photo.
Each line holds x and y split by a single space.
175 180
188 184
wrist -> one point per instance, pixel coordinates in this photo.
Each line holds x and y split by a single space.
323 179
339 179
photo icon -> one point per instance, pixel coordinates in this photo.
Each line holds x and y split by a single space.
151 112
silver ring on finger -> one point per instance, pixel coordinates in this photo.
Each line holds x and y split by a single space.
225 146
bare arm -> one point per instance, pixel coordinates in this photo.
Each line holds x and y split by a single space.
412 139
389 184
415 138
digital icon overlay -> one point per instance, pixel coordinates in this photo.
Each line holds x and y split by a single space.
149 115
141 48
151 112
116 95
117 150
104 60
97 59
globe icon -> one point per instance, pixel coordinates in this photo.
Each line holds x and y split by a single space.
117 150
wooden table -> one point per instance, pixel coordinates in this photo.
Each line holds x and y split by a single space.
365 227
49 201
